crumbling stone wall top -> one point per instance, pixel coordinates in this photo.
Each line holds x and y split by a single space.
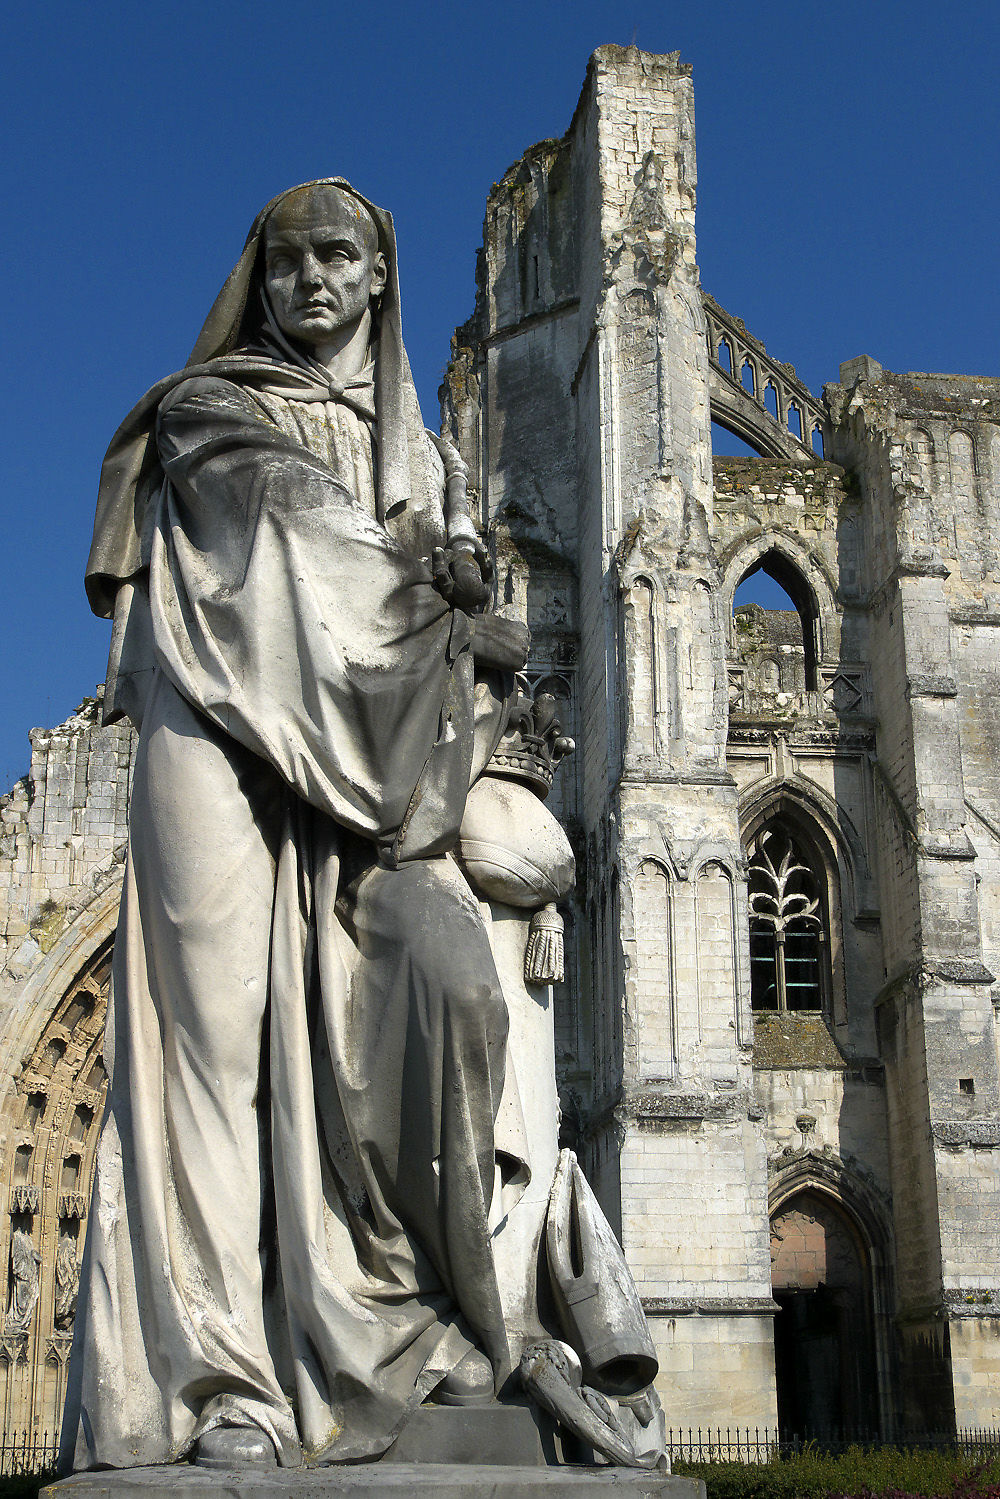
612 56
757 626
914 392
63 829
741 472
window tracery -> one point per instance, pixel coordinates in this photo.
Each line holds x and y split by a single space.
788 924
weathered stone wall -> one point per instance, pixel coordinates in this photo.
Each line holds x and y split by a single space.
924 449
62 830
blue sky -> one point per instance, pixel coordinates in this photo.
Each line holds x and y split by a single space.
847 204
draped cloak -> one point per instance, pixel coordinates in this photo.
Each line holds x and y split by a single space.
306 1034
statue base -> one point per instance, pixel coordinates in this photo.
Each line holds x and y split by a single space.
444 1452
394 1480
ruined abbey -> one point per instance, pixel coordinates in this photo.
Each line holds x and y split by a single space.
778 1034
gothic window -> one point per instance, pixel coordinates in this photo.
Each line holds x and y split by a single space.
788 948
788 616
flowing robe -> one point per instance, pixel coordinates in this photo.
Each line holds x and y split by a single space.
307 1034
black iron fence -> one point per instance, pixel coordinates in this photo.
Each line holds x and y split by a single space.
35 1453
31 1452
760 1444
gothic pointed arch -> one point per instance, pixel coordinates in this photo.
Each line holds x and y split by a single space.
52 1115
822 822
747 551
831 1278
802 577
842 1179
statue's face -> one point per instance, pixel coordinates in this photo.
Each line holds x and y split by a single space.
322 264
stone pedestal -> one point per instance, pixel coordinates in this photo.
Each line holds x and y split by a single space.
369 1480
487 1436
444 1452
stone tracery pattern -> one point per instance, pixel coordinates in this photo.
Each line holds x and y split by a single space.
744 375
786 924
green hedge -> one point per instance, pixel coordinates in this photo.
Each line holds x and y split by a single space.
24 1485
859 1473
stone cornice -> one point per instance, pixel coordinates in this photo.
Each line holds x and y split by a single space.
759 731
963 1302
974 616
935 971
654 1109
981 1132
919 686
709 1306
648 772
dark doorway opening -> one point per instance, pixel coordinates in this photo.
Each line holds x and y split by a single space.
824 1344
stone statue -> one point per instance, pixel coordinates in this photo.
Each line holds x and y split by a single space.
314 1144
24 1262
67 1282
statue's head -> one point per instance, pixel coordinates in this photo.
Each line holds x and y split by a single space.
323 268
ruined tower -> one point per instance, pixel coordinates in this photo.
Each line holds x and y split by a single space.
779 1046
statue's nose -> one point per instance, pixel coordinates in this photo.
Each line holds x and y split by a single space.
309 272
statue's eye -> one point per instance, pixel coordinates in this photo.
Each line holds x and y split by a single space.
280 265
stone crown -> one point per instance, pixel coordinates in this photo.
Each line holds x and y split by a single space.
533 742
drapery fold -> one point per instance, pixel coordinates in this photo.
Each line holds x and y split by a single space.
290 1223
290 617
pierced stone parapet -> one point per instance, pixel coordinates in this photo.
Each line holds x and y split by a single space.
744 407
844 692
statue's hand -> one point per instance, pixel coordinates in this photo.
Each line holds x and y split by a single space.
463 575
500 642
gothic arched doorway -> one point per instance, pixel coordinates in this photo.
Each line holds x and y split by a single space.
824 1331
52 1119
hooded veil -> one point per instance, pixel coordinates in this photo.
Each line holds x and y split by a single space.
408 491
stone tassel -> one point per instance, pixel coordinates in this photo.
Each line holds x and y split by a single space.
543 957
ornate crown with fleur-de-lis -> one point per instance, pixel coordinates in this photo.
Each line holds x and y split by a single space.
533 742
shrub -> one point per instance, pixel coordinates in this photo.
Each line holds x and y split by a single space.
858 1473
26 1485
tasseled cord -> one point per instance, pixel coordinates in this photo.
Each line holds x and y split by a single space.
543 957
